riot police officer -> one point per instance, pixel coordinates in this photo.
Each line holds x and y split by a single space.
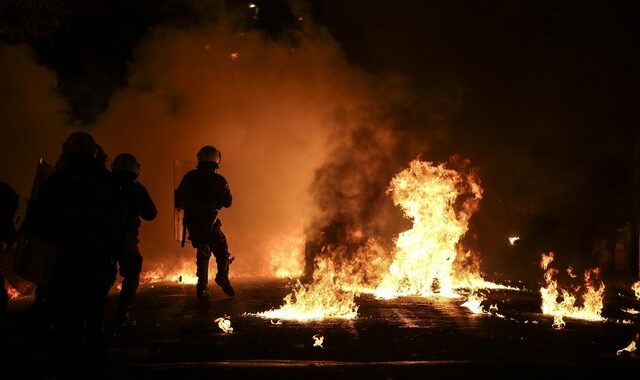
202 193
135 203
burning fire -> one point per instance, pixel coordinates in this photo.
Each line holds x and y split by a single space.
320 300
440 201
631 347
561 303
12 293
636 288
225 324
474 303
318 340
184 274
513 239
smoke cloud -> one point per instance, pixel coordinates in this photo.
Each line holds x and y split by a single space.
308 140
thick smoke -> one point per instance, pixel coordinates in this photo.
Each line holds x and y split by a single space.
293 118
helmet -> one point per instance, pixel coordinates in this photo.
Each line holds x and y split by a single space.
79 143
209 154
101 155
126 162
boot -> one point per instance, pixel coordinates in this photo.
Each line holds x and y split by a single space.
225 284
202 290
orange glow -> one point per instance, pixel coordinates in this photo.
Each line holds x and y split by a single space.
287 256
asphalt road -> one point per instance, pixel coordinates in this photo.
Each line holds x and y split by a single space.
176 337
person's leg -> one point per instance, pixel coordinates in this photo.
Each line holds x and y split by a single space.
130 263
220 250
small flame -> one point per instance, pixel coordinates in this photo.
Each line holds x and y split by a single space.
631 311
547 258
636 288
631 347
234 56
513 239
183 274
558 322
570 272
13 294
560 303
474 303
318 340
225 324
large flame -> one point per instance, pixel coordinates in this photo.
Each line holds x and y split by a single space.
321 299
560 303
426 262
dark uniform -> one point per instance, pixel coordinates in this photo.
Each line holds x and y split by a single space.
78 210
8 207
202 193
136 204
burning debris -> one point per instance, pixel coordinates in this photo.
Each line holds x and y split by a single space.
560 303
225 324
631 347
318 340
631 311
513 239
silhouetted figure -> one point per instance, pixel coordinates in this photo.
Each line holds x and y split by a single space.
78 210
136 204
202 193
8 207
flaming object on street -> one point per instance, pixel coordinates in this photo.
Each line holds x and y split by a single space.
631 347
561 303
224 323
318 340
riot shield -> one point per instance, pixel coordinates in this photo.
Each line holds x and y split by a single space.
31 260
180 168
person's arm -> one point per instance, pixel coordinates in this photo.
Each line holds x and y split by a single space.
225 198
146 208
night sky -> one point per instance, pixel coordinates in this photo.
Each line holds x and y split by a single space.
541 96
